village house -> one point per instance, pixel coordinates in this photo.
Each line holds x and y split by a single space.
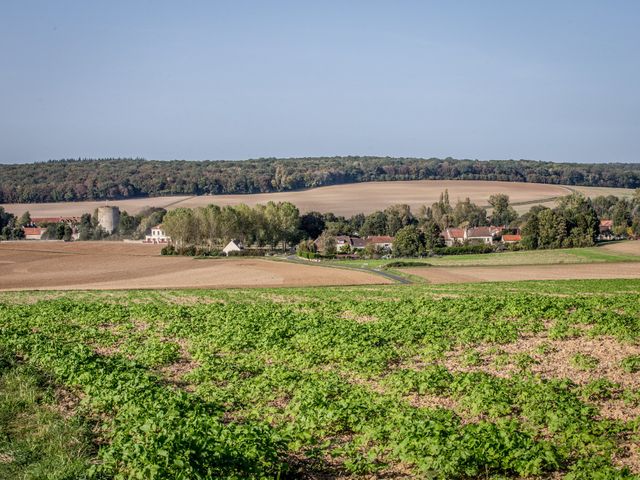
358 243
511 238
459 236
383 242
486 235
233 246
33 233
341 241
354 243
453 236
158 235
605 230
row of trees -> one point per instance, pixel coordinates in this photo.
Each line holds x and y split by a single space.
273 225
117 178
464 213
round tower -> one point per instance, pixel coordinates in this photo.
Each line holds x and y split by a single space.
109 218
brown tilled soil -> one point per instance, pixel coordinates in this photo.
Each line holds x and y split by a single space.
526 272
44 265
629 247
339 199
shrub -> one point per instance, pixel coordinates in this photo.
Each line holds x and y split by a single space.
248 252
168 250
404 264
631 364
583 361
189 251
464 250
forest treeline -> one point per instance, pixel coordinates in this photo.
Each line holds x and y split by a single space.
120 178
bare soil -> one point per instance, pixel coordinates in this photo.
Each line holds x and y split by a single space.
526 272
339 199
628 247
46 265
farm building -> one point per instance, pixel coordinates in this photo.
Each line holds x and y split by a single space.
383 242
158 235
605 230
511 238
453 236
485 235
354 243
33 233
233 246
358 243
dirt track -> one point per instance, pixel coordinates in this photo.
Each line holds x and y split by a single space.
340 199
526 272
115 265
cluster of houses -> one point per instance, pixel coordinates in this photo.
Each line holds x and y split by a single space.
382 242
451 236
487 235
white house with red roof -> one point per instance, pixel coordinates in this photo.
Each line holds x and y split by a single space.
453 236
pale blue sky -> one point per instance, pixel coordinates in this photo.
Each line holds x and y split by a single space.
545 80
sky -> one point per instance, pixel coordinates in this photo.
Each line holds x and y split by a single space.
545 80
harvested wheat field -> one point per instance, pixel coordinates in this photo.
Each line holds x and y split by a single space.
345 199
526 272
111 265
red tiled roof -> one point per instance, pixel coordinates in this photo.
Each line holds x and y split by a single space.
606 223
33 230
482 232
380 239
512 238
451 233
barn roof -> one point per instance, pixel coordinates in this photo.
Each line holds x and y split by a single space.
453 233
482 232
380 239
512 238
33 230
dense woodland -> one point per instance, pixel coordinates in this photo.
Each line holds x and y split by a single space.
85 179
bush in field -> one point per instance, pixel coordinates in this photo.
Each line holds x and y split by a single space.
631 364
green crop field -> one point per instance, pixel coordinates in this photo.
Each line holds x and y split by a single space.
512 380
